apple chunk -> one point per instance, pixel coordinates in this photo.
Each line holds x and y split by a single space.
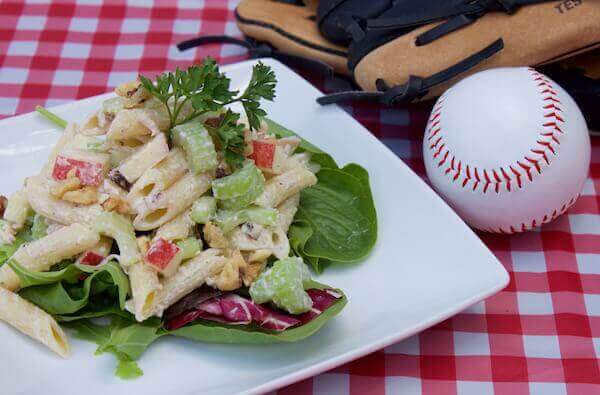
90 168
164 256
263 153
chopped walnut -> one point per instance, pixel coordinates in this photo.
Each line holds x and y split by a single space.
214 236
71 183
117 204
256 264
230 277
133 93
3 203
85 195
143 243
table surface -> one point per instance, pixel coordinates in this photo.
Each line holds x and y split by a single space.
541 335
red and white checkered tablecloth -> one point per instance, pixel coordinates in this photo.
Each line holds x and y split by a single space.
541 335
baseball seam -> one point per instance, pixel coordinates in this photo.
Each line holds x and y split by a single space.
509 176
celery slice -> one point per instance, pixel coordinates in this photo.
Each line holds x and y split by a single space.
228 220
58 121
190 247
283 284
198 146
239 189
204 209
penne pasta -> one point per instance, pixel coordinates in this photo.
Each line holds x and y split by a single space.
190 275
156 210
134 126
251 237
160 177
146 157
177 229
42 202
287 210
281 187
33 322
144 289
41 254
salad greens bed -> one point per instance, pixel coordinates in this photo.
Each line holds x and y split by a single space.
336 223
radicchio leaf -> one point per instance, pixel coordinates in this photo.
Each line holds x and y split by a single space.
191 301
234 309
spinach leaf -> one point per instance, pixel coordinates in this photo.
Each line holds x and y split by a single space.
336 219
59 292
212 332
122 337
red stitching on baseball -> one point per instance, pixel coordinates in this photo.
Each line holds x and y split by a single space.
535 222
461 173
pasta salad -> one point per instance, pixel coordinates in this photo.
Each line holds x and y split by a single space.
168 213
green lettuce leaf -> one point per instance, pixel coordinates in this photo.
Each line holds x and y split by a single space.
212 332
122 337
60 293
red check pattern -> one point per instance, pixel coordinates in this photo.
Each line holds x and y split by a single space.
541 335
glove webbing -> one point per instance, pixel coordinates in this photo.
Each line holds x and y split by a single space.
416 87
261 50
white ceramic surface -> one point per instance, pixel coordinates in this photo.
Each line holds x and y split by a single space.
426 266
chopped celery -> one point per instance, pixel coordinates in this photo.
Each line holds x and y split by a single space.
39 228
283 284
198 146
121 229
190 247
228 220
204 209
58 121
239 189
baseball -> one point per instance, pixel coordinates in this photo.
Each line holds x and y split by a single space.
508 149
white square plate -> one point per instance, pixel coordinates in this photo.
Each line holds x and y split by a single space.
427 265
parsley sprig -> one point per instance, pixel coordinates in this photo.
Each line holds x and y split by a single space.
206 89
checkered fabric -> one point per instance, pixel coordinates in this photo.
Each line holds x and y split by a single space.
541 335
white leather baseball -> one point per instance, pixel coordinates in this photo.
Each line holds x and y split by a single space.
508 149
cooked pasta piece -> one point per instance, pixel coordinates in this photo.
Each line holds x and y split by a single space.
119 228
160 177
156 210
177 229
43 203
91 126
281 187
33 322
287 210
17 209
251 237
144 289
190 275
146 157
61 144
133 126
41 254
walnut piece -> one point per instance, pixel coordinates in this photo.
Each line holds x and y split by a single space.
71 183
116 204
256 264
214 236
85 195
143 243
3 203
133 93
230 278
